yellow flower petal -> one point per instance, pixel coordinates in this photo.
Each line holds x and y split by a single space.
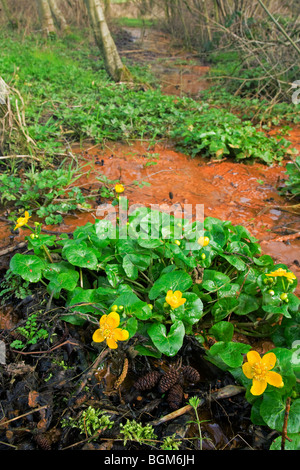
111 343
253 357
248 370
120 335
175 299
113 320
269 360
103 320
282 272
275 379
258 387
98 336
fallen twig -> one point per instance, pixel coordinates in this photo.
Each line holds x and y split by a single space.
225 392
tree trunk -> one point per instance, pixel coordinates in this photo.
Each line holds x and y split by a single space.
4 113
105 42
59 17
46 17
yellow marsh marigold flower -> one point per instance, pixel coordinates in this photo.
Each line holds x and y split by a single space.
259 370
109 330
22 220
203 241
282 272
175 299
119 188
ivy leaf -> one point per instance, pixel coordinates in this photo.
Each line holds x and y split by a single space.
133 306
29 267
212 280
115 273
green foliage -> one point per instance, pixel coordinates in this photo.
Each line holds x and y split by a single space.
31 332
220 133
292 184
133 431
132 267
90 422
267 409
47 193
66 93
257 110
13 285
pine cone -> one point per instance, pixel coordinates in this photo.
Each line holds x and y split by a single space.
43 441
191 374
169 379
175 397
147 381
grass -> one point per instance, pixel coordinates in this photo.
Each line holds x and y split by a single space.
135 22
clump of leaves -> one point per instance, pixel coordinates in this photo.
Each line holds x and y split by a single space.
47 193
133 431
90 421
292 184
13 285
31 331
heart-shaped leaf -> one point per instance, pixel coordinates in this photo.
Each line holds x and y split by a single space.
168 344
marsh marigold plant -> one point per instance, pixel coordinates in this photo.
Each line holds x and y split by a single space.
259 370
109 331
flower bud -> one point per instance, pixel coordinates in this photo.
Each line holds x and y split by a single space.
284 296
203 241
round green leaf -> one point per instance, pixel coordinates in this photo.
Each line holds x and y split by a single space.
168 344
29 267
272 411
222 331
191 311
81 255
